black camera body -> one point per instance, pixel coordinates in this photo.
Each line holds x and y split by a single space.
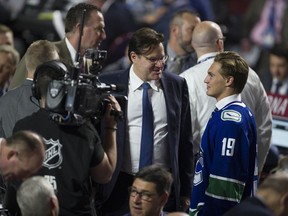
74 100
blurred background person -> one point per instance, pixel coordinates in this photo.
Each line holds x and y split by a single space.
271 198
9 58
37 197
275 79
263 25
18 103
179 48
6 35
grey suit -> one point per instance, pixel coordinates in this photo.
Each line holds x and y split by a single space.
15 105
21 71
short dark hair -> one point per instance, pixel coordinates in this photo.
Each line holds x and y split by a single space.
29 143
74 15
280 50
144 40
232 64
5 29
158 175
177 17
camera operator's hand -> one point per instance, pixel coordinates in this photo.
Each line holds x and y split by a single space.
104 171
110 118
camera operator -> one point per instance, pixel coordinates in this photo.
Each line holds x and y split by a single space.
74 154
93 35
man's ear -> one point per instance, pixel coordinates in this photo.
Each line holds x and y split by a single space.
229 80
165 197
133 56
12 153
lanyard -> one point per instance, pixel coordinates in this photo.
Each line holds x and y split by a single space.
203 60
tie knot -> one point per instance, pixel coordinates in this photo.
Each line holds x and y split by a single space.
279 84
146 85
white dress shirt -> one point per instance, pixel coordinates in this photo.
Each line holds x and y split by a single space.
134 124
283 89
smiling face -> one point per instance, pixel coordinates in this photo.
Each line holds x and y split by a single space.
216 83
151 205
145 68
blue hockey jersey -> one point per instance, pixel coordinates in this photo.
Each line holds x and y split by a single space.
226 171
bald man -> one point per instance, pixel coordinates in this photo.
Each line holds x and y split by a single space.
207 40
21 155
271 198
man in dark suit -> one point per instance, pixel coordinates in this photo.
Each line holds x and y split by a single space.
275 81
172 138
93 34
271 198
18 103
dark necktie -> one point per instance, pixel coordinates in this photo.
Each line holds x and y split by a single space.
215 110
278 86
82 65
147 136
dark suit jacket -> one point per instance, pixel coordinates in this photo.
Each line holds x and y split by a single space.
250 207
179 130
21 71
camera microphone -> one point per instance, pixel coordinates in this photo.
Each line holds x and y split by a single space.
111 87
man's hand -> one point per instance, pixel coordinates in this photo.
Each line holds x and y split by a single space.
184 203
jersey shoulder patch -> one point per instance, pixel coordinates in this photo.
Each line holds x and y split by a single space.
231 115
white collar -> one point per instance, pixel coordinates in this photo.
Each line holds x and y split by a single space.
135 82
224 101
71 49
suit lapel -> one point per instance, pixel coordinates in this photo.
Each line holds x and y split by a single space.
64 53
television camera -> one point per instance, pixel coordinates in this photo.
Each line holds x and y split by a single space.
76 98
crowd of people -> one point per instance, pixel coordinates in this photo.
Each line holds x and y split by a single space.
166 122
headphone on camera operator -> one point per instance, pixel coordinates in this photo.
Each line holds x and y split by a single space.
69 102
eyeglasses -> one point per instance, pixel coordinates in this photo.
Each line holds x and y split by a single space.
144 195
154 60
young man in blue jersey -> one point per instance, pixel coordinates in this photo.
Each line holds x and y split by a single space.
226 171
